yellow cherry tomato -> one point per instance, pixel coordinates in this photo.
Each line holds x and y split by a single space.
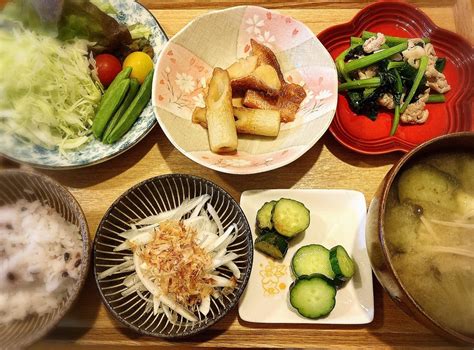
140 63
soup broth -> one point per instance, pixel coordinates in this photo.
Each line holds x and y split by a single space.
429 230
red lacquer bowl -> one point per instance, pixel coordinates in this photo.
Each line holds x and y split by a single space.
361 134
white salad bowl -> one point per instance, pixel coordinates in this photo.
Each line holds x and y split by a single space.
94 152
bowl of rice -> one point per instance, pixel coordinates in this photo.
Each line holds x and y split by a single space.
44 255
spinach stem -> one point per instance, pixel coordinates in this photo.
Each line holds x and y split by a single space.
340 64
360 84
396 116
416 82
355 41
374 58
436 98
393 64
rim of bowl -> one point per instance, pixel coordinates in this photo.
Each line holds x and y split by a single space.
239 292
86 249
393 173
196 159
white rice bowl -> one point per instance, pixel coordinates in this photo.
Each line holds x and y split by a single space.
40 259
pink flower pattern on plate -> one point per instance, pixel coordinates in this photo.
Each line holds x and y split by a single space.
182 82
279 32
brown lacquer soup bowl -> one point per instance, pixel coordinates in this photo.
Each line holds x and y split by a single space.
379 246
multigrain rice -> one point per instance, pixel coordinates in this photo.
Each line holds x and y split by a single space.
40 259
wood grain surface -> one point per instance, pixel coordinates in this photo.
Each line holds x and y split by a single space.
327 165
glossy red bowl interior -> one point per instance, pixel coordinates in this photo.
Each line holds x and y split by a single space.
361 134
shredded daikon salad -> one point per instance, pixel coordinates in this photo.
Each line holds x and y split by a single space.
176 260
47 93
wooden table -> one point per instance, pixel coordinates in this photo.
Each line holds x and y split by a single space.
327 165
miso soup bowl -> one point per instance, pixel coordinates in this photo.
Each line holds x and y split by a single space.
375 234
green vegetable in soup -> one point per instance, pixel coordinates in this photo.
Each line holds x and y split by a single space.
460 167
401 225
426 183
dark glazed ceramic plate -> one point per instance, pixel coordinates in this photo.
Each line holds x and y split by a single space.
361 134
150 197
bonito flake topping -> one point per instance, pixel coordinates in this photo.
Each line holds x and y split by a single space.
177 264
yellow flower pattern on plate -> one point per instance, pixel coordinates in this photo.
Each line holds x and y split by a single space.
270 274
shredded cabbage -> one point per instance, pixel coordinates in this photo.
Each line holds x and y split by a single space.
47 93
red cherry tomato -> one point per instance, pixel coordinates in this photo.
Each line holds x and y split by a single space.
108 66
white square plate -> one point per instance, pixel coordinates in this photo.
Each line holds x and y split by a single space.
337 217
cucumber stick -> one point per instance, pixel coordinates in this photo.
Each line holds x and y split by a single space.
133 111
109 105
264 216
341 263
132 91
272 244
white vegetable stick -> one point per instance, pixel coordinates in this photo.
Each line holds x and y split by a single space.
129 233
133 289
115 269
215 294
211 237
198 208
186 206
224 244
149 285
156 219
141 239
220 253
133 232
215 245
169 314
223 260
212 227
148 308
222 281
180 210
233 268
178 308
156 305
216 219
205 305
122 246
201 239
148 300
199 223
130 280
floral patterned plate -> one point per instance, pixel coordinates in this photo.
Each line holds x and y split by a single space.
129 12
219 38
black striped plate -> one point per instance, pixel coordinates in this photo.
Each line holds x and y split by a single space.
151 197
